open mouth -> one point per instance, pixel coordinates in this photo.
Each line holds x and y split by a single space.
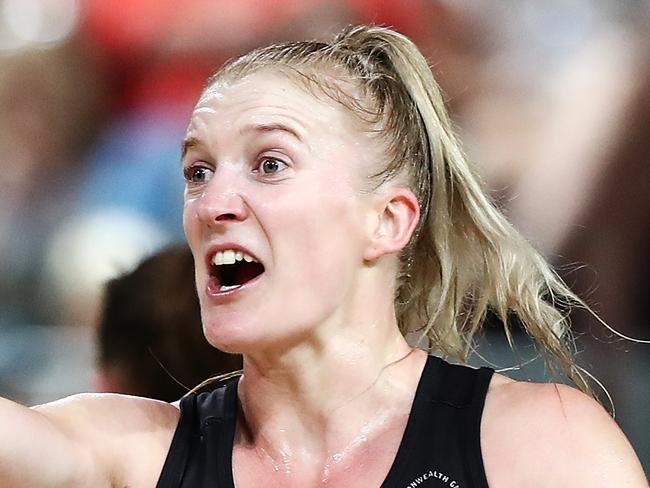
231 269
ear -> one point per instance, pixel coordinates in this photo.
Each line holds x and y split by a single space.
396 215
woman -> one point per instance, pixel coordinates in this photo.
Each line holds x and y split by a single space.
330 212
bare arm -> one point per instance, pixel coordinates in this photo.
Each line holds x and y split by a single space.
36 451
88 440
552 435
596 452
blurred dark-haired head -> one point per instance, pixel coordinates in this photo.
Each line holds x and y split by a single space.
150 339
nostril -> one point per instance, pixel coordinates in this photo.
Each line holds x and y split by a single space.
226 216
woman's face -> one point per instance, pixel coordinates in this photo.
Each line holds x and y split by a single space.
275 175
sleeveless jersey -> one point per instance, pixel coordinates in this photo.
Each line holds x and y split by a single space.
440 447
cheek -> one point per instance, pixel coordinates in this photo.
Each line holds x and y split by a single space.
190 222
192 229
324 215
320 239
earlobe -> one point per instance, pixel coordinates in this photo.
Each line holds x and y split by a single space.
397 216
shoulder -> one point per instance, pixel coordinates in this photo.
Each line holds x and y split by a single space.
92 415
553 435
127 436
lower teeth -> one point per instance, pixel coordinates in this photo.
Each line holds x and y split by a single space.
228 288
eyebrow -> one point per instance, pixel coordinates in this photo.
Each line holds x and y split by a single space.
189 143
192 142
273 127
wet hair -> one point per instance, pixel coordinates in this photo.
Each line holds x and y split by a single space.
464 260
150 335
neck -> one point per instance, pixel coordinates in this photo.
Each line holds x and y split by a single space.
329 398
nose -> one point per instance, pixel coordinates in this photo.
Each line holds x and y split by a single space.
222 202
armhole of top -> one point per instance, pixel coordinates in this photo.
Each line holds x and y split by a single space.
173 469
481 386
229 425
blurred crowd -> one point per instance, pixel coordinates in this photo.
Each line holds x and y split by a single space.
552 100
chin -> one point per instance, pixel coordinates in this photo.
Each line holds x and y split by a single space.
234 334
248 337
224 336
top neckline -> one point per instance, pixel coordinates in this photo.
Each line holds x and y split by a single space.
409 437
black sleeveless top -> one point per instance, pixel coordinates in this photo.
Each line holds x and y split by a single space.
440 446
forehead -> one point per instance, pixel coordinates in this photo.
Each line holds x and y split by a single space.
267 95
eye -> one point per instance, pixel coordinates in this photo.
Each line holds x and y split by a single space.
269 166
197 174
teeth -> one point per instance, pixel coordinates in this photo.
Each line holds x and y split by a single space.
230 256
227 288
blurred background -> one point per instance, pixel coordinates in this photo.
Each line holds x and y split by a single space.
552 101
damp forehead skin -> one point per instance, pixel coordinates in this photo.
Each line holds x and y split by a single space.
302 224
360 132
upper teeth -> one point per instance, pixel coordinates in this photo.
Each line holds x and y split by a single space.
230 256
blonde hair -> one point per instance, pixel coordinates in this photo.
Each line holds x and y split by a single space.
464 259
